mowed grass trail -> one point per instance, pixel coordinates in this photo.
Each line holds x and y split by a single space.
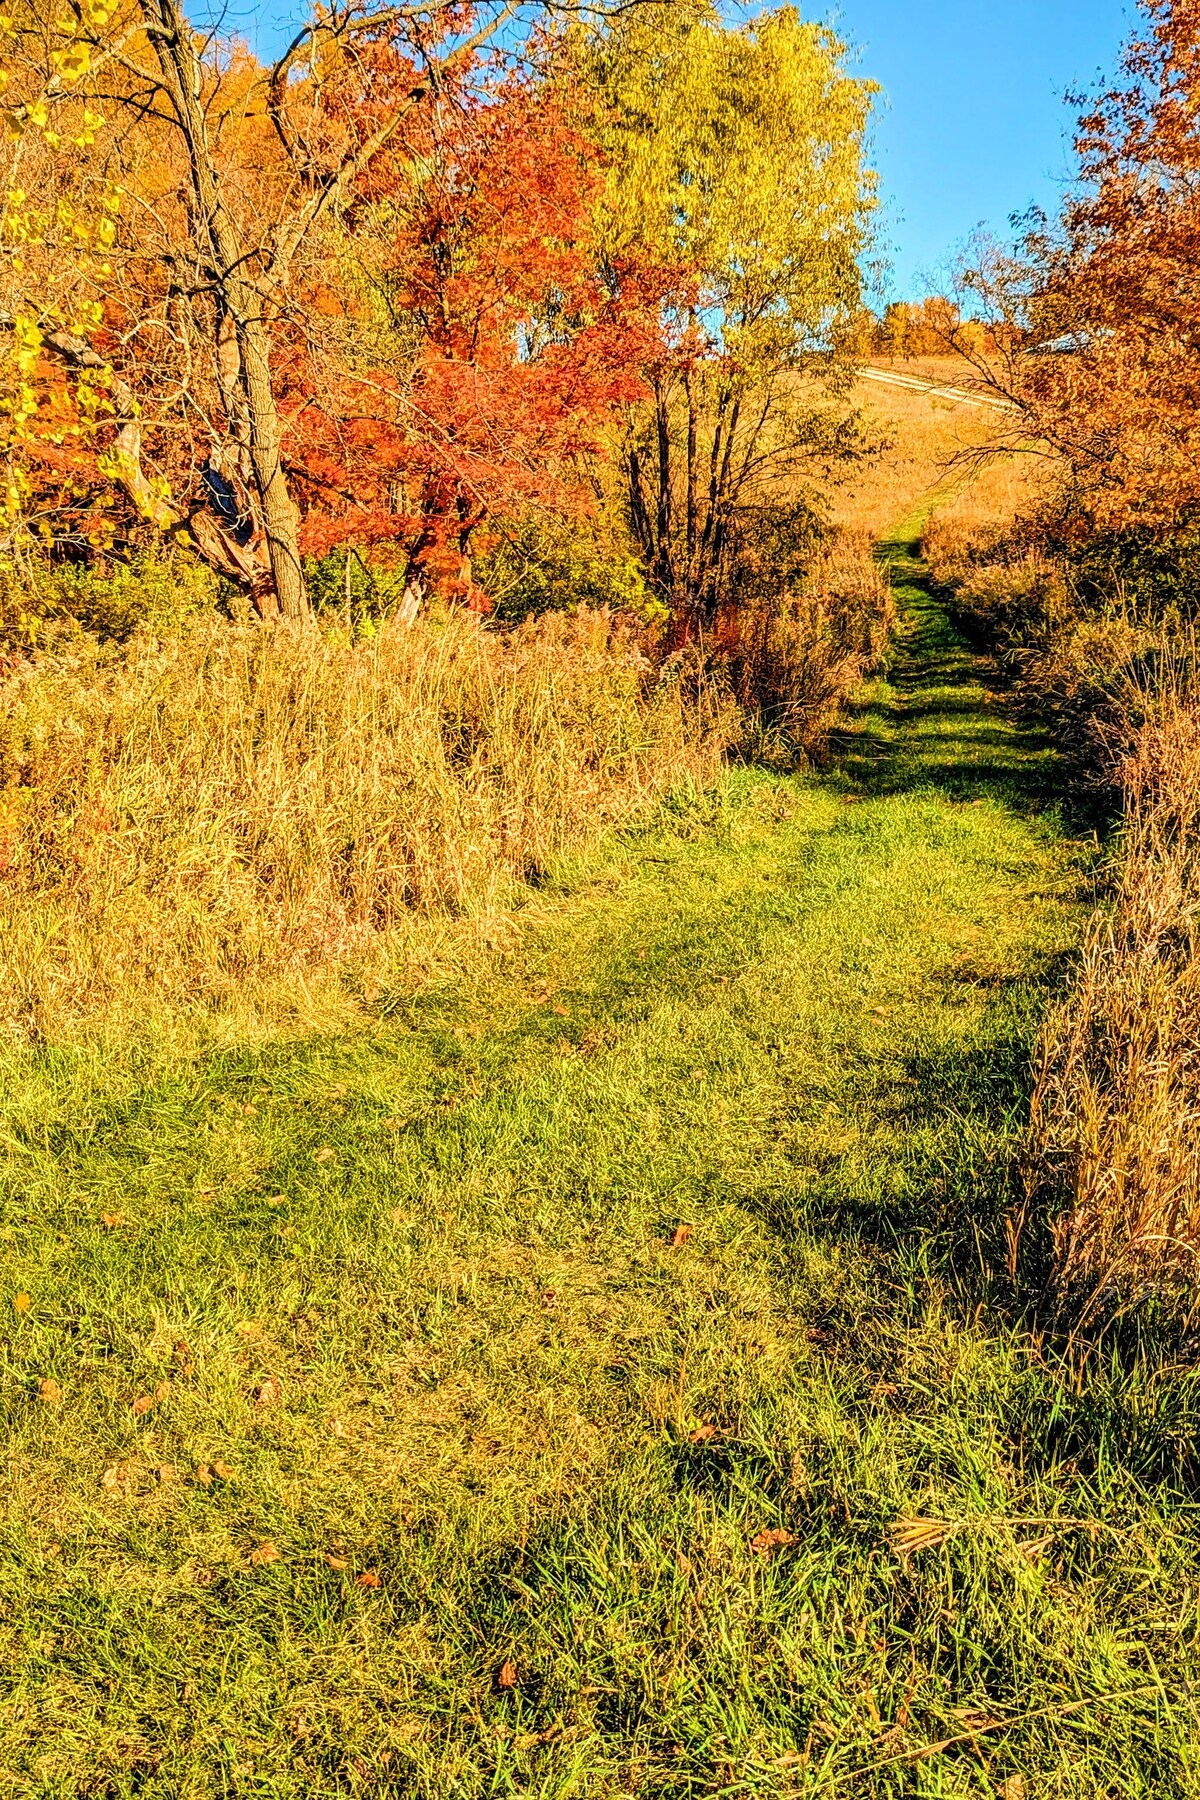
534 1393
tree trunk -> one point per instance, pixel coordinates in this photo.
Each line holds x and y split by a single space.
241 301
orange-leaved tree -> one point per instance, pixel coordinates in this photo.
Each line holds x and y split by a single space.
1102 354
233 347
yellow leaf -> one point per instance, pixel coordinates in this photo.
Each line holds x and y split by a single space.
21 1303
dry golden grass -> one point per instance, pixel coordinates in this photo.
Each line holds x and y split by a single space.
930 440
186 816
1117 1105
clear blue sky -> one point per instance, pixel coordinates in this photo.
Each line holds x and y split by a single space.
971 125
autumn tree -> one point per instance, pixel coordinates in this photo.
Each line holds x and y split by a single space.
1102 308
736 167
183 351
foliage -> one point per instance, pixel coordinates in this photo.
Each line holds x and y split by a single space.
1101 308
541 564
736 165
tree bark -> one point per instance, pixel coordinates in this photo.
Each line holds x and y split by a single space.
242 301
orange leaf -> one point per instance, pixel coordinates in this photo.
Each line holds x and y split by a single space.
765 1543
21 1303
368 1579
506 1675
336 1562
267 1392
110 1221
50 1391
324 1153
143 1403
204 1474
266 1553
680 1236
702 1434
162 1391
221 1470
277 1200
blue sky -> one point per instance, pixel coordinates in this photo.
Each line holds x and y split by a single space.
971 125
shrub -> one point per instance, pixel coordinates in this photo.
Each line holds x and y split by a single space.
40 600
186 812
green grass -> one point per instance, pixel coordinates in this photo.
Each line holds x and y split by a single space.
511 1434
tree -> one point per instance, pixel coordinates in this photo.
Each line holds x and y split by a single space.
183 351
736 170
1102 309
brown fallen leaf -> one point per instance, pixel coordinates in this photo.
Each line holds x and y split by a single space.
204 1474
702 1434
143 1403
49 1391
776 1537
680 1236
110 1221
368 1579
1012 1788
562 1011
21 1303
697 1074
163 1391
276 1199
111 1478
506 1675
221 1470
267 1392
264 1555
249 1328
324 1153
337 1562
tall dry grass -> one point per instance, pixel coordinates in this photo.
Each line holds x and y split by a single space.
183 815
795 661
1115 1126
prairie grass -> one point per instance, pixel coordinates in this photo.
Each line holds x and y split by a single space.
1114 1123
933 448
188 816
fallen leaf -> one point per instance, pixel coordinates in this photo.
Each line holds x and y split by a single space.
50 1391
697 1074
111 1478
776 1537
162 1391
324 1153
562 1011
110 1221
277 1200
265 1554
702 1434
1012 1788
368 1579
680 1236
337 1562
204 1474
167 1473
248 1328
21 1303
221 1470
267 1392
506 1675
143 1403
249 1107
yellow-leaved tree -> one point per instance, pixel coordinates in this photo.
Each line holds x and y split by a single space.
737 178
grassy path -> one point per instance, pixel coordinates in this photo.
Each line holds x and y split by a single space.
521 1397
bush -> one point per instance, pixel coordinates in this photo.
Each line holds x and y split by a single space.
40 600
185 812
